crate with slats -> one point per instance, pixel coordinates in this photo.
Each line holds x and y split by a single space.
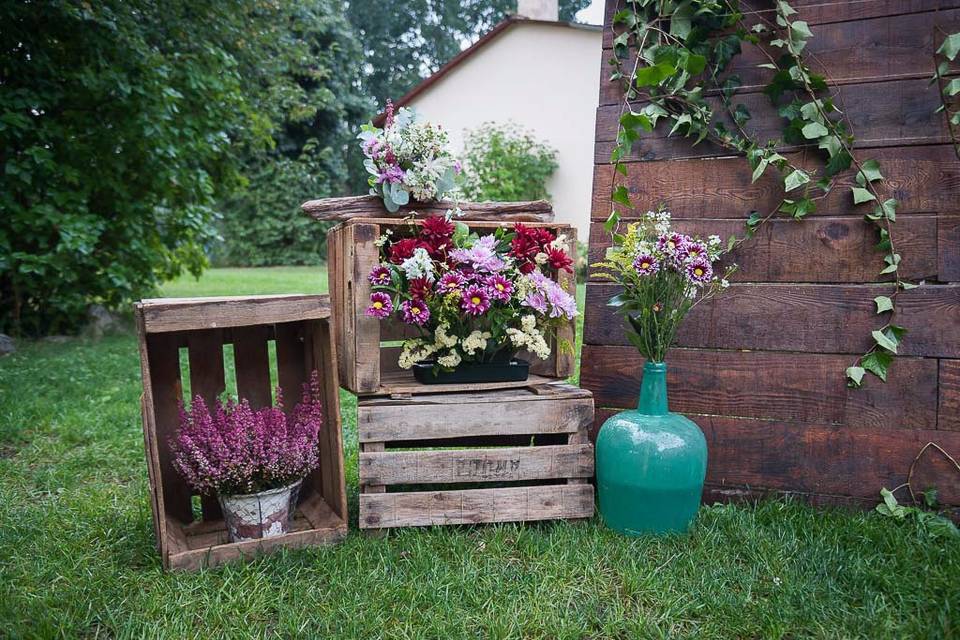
518 454
184 343
368 347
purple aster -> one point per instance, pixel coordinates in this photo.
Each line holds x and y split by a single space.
499 287
536 301
482 256
562 303
380 276
699 271
451 282
391 174
646 264
475 300
415 312
381 306
670 243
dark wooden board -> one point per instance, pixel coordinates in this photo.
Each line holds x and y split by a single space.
822 458
949 395
795 387
252 361
818 249
183 314
902 112
924 179
948 253
871 50
818 318
291 363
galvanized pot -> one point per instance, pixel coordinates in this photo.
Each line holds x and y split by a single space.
260 515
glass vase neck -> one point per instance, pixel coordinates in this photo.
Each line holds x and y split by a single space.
653 390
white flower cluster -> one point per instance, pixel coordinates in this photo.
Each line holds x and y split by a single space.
414 351
419 265
476 341
450 360
529 337
661 220
442 340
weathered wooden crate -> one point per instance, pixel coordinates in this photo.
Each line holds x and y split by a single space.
182 341
486 456
368 347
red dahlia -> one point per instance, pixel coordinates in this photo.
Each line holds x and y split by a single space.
420 288
403 249
558 259
436 228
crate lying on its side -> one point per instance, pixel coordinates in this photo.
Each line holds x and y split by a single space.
524 454
299 327
368 363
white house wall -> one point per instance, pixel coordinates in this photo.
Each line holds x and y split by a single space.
542 77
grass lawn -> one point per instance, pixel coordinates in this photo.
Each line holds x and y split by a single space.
77 556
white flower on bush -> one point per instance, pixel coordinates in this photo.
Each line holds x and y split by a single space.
414 351
529 337
419 265
450 360
476 341
444 340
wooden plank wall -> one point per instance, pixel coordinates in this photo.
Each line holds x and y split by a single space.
761 368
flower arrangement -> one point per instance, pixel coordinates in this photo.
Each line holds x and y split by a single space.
474 298
664 274
408 159
237 450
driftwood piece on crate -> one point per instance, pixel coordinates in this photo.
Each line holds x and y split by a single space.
443 458
300 327
351 207
367 346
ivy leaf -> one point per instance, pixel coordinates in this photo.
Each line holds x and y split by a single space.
814 130
855 376
631 120
950 46
877 363
884 303
784 9
798 208
871 170
653 75
761 167
953 87
731 243
611 222
802 29
893 263
838 162
795 179
885 341
621 169
889 209
621 195
861 195
694 64
741 115
754 220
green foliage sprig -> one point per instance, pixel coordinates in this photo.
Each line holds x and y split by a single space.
507 163
671 54
947 53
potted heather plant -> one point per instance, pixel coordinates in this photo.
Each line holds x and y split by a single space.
408 160
651 463
476 300
254 461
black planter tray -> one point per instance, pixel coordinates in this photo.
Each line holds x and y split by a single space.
516 370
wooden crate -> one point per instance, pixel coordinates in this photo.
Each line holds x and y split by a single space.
368 347
299 327
465 458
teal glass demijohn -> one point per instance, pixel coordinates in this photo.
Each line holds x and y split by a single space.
650 463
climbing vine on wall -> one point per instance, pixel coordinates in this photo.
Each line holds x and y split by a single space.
671 59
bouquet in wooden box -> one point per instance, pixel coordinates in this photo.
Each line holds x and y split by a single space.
475 299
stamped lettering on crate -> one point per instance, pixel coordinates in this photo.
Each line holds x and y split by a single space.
485 468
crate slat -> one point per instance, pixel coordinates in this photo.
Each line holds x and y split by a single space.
506 464
251 357
184 314
471 506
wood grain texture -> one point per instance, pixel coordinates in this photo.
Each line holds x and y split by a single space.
502 464
504 412
818 249
948 248
814 318
252 364
821 458
354 207
793 387
523 504
902 112
814 12
949 407
923 179
869 50
183 314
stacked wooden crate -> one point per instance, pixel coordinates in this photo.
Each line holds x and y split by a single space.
453 453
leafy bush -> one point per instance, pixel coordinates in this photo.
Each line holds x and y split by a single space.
505 162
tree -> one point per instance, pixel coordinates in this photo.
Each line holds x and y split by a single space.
405 41
505 162
306 82
118 122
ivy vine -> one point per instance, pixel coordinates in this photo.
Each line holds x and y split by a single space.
945 54
670 58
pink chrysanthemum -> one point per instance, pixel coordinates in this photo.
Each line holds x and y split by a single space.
499 288
415 312
475 300
646 264
380 276
452 281
699 271
381 306
670 243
